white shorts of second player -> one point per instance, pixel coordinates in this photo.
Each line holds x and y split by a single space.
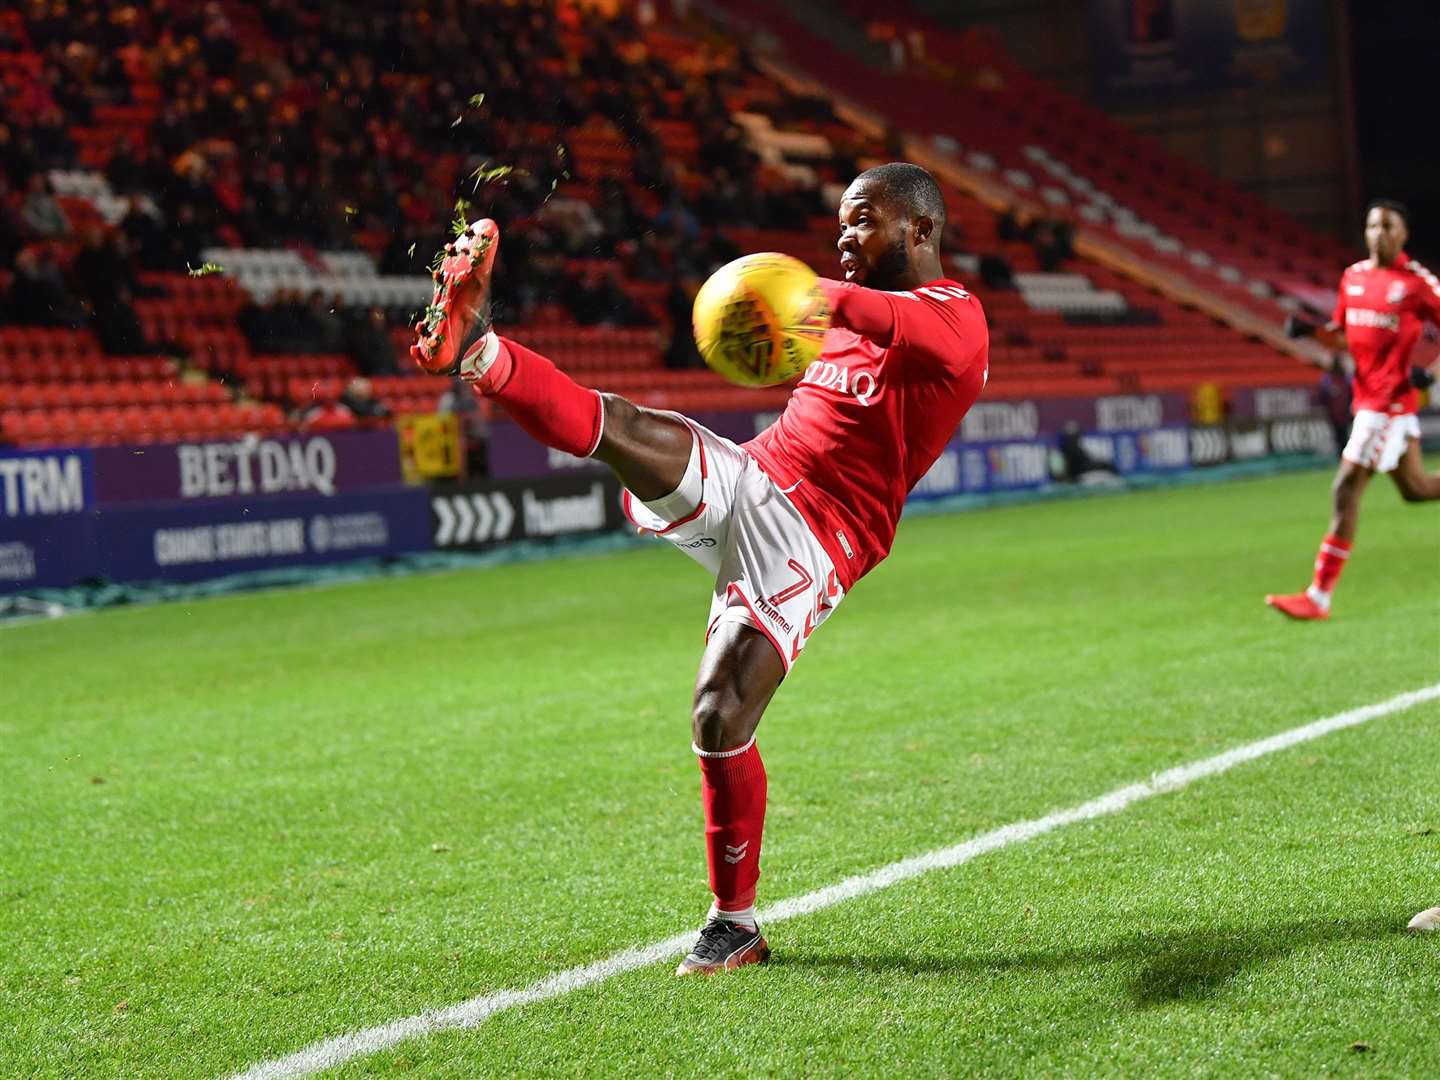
1378 440
728 515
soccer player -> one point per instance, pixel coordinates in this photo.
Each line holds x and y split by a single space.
1382 303
786 523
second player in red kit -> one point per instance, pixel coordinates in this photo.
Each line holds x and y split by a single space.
1381 308
787 523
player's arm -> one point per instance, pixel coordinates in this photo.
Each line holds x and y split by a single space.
1423 378
1331 335
867 312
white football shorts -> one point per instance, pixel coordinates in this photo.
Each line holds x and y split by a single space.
728 515
1378 440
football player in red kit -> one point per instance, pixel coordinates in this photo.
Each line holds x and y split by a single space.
1383 302
786 523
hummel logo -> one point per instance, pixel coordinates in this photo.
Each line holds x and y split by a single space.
734 854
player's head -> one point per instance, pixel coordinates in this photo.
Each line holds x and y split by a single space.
1387 227
891 218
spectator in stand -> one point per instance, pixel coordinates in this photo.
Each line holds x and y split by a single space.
17 157
368 342
41 212
1013 226
38 296
598 299
1054 243
679 305
327 416
50 137
995 272
329 327
145 232
12 232
359 397
103 266
117 326
677 219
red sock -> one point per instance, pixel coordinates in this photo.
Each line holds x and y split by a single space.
542 399
733 790
1330 561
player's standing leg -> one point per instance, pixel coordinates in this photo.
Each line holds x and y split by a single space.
651 453
739 674
1314 603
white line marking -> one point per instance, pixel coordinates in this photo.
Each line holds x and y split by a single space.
468 1014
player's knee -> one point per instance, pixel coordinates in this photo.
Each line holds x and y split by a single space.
621 417
713 722
1409 492
631 427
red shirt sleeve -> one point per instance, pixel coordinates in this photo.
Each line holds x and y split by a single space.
1428 295
927 321
940 324
862 311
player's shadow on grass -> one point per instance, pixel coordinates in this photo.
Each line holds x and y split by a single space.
1161 967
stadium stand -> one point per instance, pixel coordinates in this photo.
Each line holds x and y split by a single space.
623 161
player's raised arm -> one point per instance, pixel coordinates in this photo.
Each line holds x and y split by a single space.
867 312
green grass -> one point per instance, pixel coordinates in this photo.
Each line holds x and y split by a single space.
236 826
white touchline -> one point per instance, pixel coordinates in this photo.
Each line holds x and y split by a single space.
467 1014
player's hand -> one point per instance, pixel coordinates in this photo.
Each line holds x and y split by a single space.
1296 327
1421 378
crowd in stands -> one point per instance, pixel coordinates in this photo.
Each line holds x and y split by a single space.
332 125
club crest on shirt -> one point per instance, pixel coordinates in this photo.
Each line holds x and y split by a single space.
1355 290
1395 293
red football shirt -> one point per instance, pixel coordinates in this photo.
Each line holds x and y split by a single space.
870 416
1382 309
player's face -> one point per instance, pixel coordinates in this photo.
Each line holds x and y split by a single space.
873 245
1385 234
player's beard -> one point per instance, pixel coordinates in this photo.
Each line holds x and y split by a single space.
890 269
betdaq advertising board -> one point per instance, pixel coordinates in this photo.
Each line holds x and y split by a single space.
186 511
338 462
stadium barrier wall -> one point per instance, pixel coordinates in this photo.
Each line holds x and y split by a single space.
186 511
193 511
482 514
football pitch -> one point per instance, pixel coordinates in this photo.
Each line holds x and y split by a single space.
238 827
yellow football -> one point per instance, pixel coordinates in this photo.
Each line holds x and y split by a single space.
761 319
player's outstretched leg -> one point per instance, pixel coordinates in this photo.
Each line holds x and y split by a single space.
738 676
1314 602
649 451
